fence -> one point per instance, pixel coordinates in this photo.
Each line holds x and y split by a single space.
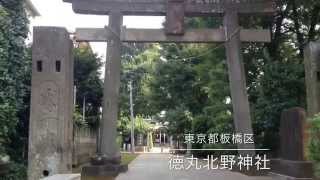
84 145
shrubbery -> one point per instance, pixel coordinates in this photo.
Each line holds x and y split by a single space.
314 143
16 172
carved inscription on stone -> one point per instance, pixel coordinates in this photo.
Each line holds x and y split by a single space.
48 127
49 95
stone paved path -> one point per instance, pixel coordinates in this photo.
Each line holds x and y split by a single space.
155 167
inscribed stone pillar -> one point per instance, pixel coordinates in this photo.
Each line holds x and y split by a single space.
312 77
240 102
292 164
50 130
292 127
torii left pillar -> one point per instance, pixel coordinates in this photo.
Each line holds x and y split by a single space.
106 165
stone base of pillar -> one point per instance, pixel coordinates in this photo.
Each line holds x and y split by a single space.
276 176
287 169
252 171
107 172
103 160
63 176
103 168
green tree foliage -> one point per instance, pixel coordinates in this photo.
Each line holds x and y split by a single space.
196 85
15 73
281 87
275 70
141 126
136 66
192 79
180 121
88 83
192 91
78 121
7 102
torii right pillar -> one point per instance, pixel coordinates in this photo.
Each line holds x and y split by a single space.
238 88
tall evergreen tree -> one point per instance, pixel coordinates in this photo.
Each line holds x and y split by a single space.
15 73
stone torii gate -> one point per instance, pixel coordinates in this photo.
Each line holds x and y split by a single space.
175 11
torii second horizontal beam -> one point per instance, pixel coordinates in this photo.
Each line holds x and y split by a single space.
159 35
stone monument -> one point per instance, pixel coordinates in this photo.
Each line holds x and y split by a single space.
50 132
292 164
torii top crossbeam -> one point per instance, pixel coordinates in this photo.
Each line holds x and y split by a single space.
159 7
175 11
